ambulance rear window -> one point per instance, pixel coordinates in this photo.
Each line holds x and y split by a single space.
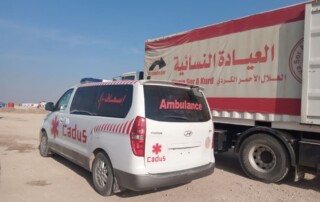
164 103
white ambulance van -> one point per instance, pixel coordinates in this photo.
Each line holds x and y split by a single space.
137 135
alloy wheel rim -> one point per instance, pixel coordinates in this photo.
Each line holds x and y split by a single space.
101 174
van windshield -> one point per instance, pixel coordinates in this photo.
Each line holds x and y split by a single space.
164 103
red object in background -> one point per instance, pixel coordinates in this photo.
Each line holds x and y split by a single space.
10 105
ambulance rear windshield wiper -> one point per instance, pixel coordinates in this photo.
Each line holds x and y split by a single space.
176 117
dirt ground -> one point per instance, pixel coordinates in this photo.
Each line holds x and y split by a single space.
26 176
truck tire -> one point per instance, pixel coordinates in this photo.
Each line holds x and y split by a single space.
264 158
43 147
102 175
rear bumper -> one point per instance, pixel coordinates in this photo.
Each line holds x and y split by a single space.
152 181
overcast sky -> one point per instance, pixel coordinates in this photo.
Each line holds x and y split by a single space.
47 46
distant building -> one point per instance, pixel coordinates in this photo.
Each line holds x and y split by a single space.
29 104
2 104
10 105
35 105
42 104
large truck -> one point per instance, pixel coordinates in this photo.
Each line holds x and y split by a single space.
261 76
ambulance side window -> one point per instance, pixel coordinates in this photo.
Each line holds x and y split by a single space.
84 100
62 104
114 101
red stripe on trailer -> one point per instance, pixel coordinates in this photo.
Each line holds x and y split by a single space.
266 19
285 106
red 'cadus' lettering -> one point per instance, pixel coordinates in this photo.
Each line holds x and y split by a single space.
78 136
69 132
74 134
155 159
63 132
84 136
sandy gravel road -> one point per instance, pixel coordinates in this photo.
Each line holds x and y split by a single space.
26 176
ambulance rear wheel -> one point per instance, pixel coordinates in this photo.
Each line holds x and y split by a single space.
264 158
102 175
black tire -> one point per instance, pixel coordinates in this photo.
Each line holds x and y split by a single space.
264 158
44 147
102 175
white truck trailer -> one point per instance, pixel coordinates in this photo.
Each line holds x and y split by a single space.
261 76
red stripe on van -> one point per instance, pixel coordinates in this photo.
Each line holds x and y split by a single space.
116 130
124 127
120 128
113 127
105 127
129 127
108 127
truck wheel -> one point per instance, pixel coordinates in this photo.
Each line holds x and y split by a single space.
102 175
43 147
264 158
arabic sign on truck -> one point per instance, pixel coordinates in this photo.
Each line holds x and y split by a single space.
260 56
260 78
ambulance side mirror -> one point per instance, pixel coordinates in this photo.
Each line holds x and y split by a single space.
49 106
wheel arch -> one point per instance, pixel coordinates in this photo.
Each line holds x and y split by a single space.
283 137
105 190
41 131
94 153
44 151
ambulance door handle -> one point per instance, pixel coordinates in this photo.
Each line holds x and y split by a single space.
64 120
67 121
